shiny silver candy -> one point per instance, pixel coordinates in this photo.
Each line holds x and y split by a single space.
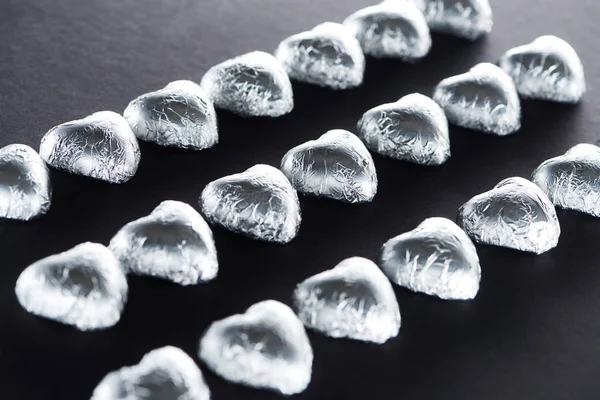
572 181
515 214
166 373
353 300
178 115
484 99
100 146
469 19
251 85
547 68
436 258
394 29
329 56
173 242
259 202
84 287
25 189
266 347
413 129
336 165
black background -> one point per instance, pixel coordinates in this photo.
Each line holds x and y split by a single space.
533 330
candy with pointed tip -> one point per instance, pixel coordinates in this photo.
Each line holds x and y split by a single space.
329 56
25 189
178 115
547 68
101 146
514 214
413 129
484 99
436 258
394 29
336 165
173 242
84 287
259 202
572 181
251 85
266 347
166 373
469 19
353 300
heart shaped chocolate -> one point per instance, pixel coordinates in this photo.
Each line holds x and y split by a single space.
412 129
336 165
514 214
178 115
100 146
251 85
328 56
484 99
468 19
436 258
162 374
25 189
84 287
353 300
259 202
394 29
547 68
173 242
572 181
266 347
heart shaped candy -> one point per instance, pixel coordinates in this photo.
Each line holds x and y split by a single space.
266 347
173 242
259 202
548 68
468 19
251 85
178 115
353 300
328 56
572 181
485 99
166 373
336 165
25 189
394 28
84 287
412 129
436 258
100 146
515 214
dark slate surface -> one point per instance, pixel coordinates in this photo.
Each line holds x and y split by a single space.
533 331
